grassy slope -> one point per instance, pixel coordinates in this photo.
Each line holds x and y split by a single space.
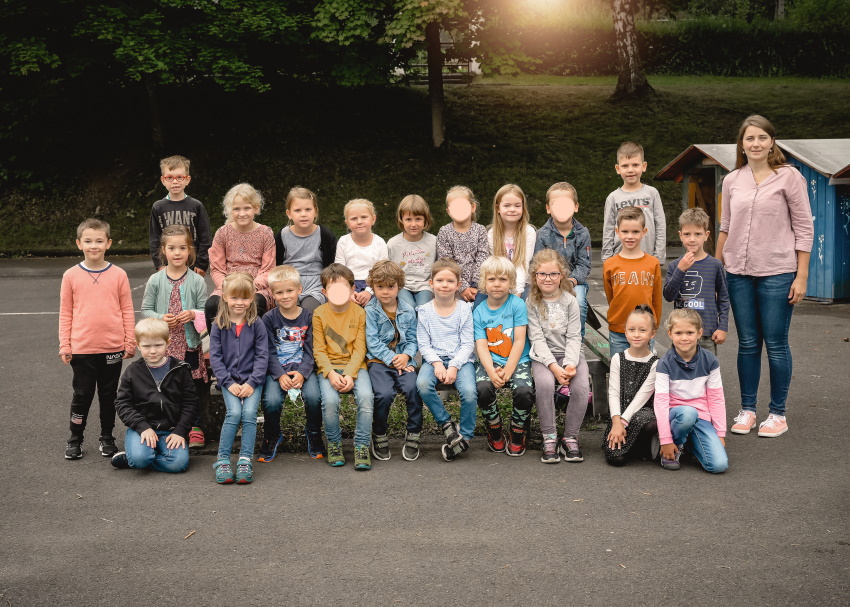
374 144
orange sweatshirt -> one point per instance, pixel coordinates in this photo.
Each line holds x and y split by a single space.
96 312
629 283
339 340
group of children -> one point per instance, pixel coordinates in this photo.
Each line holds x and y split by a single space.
298 314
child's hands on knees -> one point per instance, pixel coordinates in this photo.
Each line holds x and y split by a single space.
617 436
719 337
669 451
451 376
247 390
285 382
347 383
400 361
296 380
496 377
149 438
174 441
235 390
560 374
440 371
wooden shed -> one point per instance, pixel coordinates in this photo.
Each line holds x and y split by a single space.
825 163
700 169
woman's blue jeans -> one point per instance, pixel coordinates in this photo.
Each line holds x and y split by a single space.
762 316
159 458
419 298
700 438
365 407
465 384
244 410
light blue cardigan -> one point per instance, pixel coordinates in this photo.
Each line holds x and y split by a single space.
193 296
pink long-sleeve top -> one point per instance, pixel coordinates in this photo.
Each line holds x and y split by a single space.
695 383
252 252
96 312
767 223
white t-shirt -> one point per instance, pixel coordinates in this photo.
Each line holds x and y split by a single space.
360 259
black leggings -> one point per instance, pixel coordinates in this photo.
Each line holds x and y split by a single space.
211 308
94 373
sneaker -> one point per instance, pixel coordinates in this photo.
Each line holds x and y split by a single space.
268 450
380 447
550 452
516 446
744 422
362 461
74 449
570 449
244 472
452 433
335 456
107 446
410 451
672 464
223 473
315 445
773 426
495 438
448 453
119 460
197 440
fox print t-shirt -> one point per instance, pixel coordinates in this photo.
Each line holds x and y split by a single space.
497 327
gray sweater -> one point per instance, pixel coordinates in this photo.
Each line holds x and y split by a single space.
557 337
648 200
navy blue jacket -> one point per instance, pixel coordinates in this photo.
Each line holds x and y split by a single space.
240 360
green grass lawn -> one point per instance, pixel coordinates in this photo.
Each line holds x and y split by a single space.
374 143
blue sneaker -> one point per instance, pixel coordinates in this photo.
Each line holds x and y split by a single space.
268 450
244 472
223 473
315 445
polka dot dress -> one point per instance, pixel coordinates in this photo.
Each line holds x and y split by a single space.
632 376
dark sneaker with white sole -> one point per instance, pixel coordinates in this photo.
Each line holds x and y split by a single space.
74 449
107 446
410 451
550 452
119 460
381 447
570 449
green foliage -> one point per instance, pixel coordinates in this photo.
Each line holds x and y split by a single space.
821 14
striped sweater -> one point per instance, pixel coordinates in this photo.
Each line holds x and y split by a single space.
695 383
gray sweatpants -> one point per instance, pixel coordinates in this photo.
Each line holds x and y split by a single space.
544 386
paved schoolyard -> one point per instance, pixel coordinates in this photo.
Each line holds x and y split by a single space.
484 530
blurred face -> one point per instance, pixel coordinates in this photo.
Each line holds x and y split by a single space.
631 169
286 294
548 277
242 213
176 252
562 206
238 305
631 232
153 350
386 294
460 209
497 287
639 331
94 244
175 181
445 284
693 238
756 144
510 209
414 225
339 292
302 213
359 220
685 337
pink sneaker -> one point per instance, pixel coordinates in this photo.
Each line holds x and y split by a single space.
773 426
744 422
196 438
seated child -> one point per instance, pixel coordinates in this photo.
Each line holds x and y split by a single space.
290 332
391 344
339 347
414 250
557 354
158 404
500 327
689 402
632 429
445 338
464 241
698 281
512 235
360 249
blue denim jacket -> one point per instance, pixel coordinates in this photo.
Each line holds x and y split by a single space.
575 248
380 332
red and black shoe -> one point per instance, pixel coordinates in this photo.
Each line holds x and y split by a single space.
516 446
495 438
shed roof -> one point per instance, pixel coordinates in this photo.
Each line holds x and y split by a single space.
830 157
722 154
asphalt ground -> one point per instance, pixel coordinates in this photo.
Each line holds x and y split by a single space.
483 530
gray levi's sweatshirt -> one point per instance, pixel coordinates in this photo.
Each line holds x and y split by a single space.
648 200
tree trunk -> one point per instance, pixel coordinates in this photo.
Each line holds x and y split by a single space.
435 84
780 10
156 123
631 80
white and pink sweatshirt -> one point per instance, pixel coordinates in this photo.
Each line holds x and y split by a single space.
695 383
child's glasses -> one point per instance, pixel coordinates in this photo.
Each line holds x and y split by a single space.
178 178
548 275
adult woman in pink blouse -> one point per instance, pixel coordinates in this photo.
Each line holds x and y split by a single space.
765 241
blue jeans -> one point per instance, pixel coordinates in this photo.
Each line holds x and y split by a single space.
273 397
700 437
418 298
465 384
762 316
244 410
617 342
386 381
481 296
159 458
365 404
581 298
